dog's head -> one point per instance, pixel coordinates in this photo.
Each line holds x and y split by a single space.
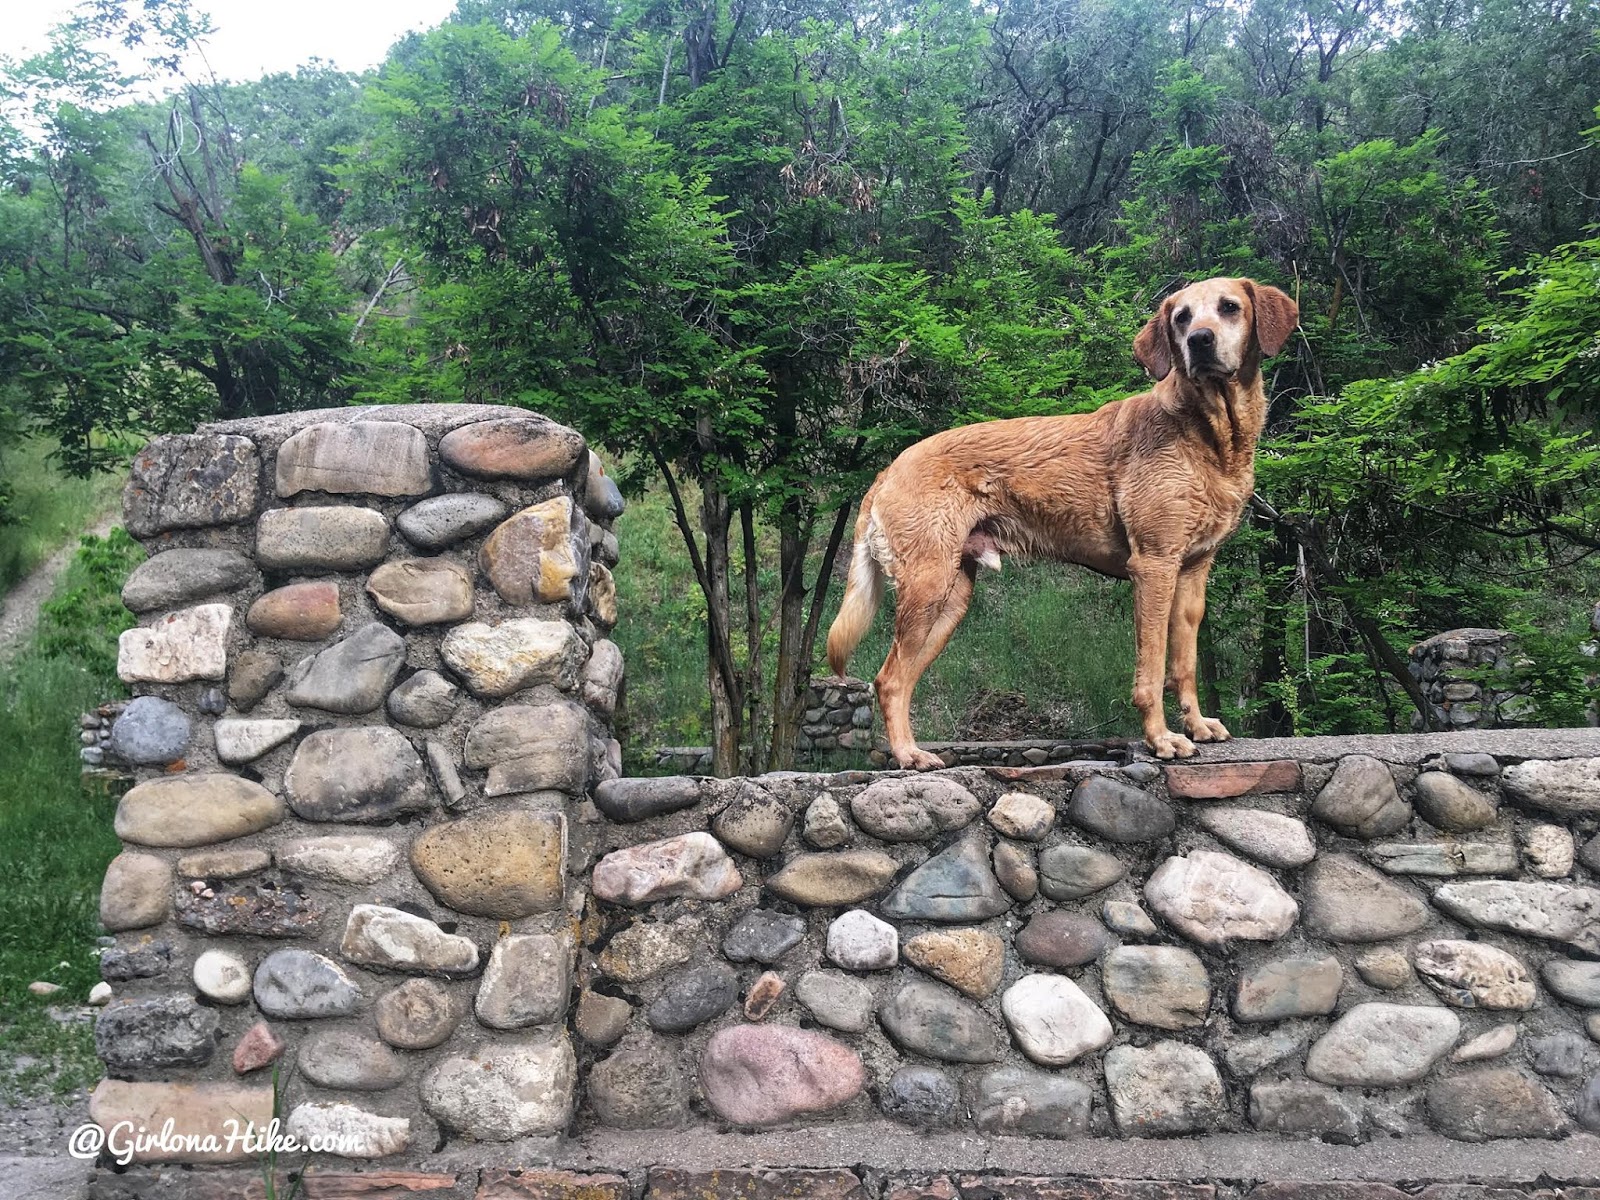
1214 328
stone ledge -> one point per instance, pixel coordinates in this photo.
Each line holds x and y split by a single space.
1086 756
895 1149
434 420
860 1182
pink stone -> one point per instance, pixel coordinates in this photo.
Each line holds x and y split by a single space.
301 612
764 1074
529 447
693 864
257 1048
1220 781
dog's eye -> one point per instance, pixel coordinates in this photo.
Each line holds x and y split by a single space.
1182 316
1228 307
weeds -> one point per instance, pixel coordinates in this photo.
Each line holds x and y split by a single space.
56 834
44 509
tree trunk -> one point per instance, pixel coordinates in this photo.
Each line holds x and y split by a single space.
1210 691
711 573
726 703
1273 719
794 662
783 753
752 636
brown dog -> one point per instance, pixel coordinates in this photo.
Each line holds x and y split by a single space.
1143 489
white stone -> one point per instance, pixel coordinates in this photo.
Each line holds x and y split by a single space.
387 937
191 643
1215 899
348 1131
825 826
1052 1020
858 941
242 740
221 976
381 458
496 660
1267 837
1558 912
692 864
1382 1045
1167 1088
502 1092
1442 860
1548 851
100 994
342 858
1475 975
602 676
1568 787
1492 1044
1024 816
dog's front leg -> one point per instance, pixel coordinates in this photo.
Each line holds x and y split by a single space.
1183 636
1155 584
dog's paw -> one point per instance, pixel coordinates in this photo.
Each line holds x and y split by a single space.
1207 729
1170 745
915 759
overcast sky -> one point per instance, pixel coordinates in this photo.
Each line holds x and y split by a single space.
255 37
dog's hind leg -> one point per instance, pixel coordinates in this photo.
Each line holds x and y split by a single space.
1155 584
1183 637
927 611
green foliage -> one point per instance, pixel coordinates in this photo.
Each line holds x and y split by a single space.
754 251
81 622
151 272
47 509
55 831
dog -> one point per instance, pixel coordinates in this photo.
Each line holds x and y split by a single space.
1144 489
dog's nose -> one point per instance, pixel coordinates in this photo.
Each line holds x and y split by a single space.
1202 340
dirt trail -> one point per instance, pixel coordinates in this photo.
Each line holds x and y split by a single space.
19 608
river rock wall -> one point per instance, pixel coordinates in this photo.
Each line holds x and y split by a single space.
372 681
381 878
1345 949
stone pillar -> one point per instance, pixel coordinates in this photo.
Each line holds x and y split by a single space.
838 715
1451 666
372 681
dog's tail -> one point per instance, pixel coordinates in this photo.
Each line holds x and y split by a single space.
863 590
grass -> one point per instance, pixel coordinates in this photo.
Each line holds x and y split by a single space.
1044 648
1055 640
55 833
46 509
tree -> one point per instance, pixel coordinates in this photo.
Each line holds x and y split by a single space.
153 274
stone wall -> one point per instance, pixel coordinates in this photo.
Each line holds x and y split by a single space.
837 721
378 847
372 683
838 715
1339 945
1465 676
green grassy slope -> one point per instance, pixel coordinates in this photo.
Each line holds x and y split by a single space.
47 509
55 834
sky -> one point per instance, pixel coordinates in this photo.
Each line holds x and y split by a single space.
256 37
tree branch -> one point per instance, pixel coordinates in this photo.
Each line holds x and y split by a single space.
389 281
1306 538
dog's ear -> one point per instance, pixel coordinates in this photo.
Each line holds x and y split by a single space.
1276 316
1153 347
